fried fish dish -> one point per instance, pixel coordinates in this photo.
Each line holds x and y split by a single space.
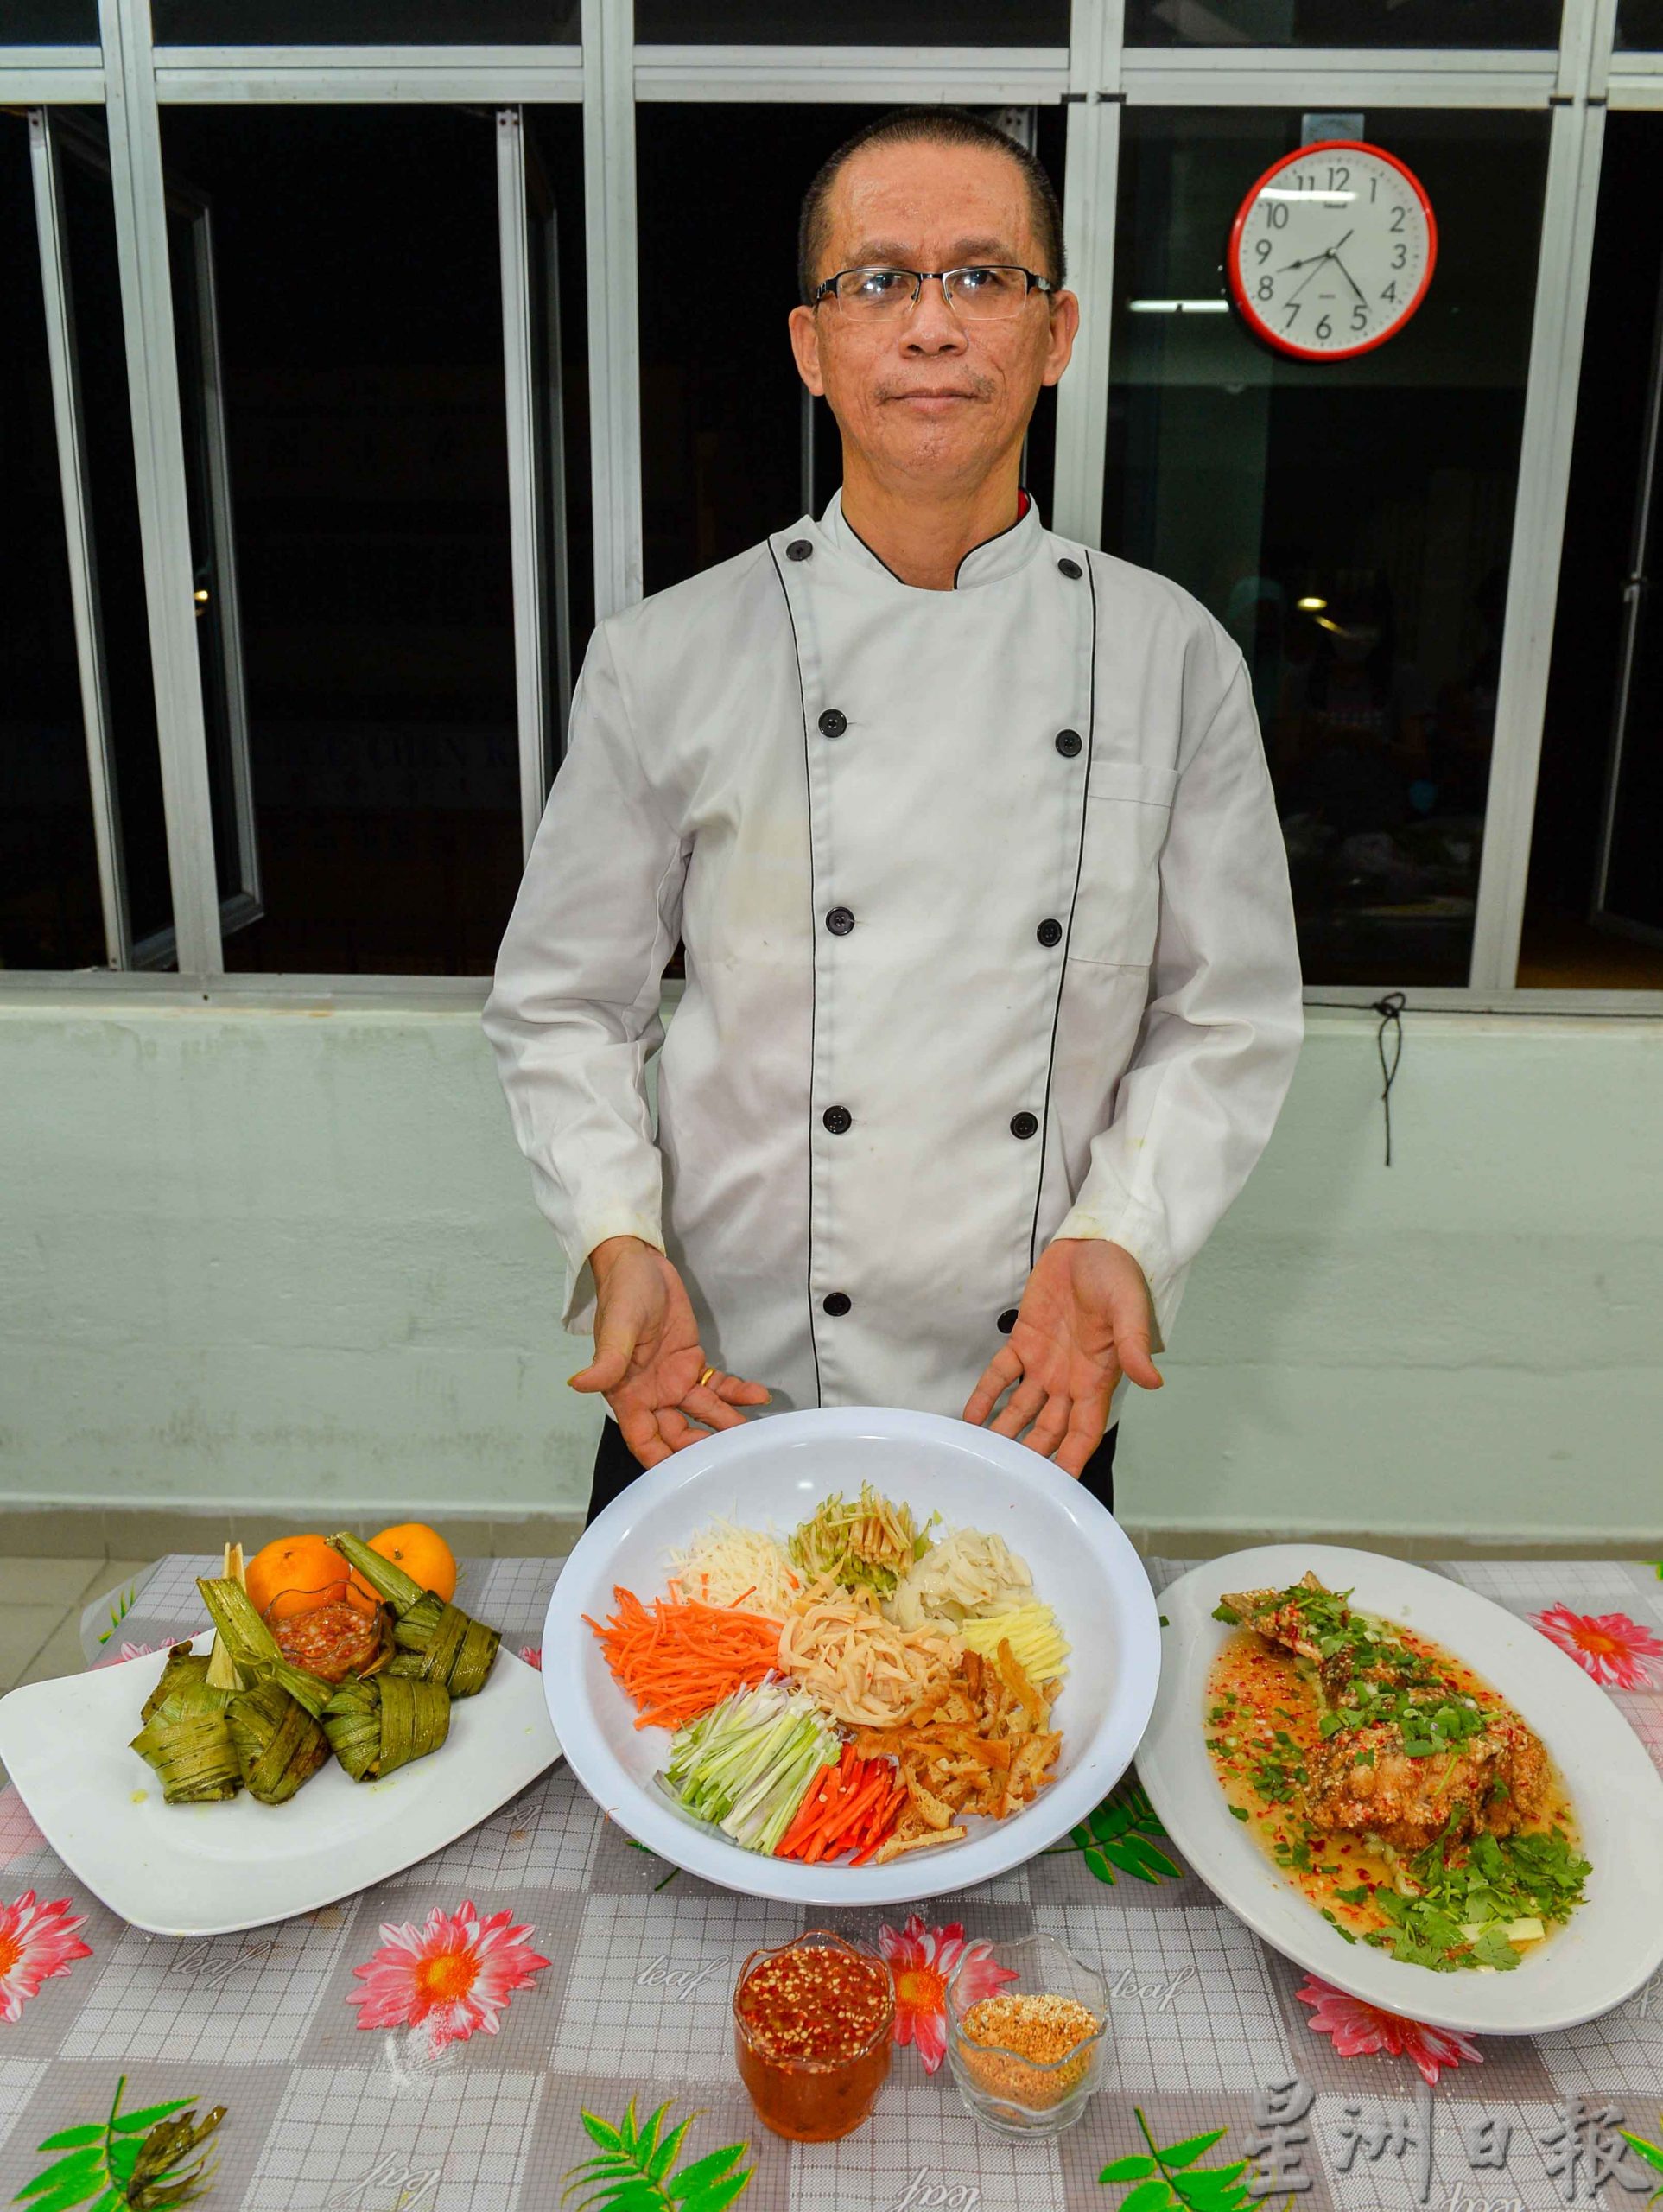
1406 1797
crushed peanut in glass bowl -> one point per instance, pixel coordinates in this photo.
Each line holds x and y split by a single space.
1026 2060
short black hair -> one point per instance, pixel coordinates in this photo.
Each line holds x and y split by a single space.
935 126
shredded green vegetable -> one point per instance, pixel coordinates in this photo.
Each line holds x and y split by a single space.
869 1544
746 1765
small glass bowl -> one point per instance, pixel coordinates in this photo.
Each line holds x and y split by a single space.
815 2099
1006 2088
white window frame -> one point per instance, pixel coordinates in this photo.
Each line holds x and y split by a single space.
1096 77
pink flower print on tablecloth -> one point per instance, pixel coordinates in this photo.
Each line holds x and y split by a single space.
36 1941
922 1961
1358 2029
455 1974
1609 1646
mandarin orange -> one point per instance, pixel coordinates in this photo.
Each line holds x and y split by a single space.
423 1555
295 1574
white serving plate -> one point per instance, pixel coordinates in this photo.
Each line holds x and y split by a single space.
1613 1941
774 1471
210 1870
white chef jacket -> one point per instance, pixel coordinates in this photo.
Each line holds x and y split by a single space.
989 941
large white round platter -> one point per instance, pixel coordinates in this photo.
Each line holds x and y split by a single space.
772 1473
211 1870
1612 1943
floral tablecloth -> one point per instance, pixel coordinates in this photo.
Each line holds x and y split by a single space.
466 2035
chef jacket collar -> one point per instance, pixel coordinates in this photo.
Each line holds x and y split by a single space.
990 563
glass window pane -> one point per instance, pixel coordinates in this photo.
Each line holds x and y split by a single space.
1529 23
723 410
360 337
50 915
853 22
366 23
1639 23
1377 489
107 427
1572 940
50 22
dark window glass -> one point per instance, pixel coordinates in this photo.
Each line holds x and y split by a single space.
50 915
1580 932
1529 23
853 22
366 23
730 444
1379 490
1639 23
360 338
50 22
107 429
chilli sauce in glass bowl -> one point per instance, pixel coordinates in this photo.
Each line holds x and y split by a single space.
812 2025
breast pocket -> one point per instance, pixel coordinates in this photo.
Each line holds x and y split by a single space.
1117 911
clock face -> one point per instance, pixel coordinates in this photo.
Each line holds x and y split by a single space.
1332 250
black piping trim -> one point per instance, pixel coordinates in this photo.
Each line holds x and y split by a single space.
1073 899
1022 513
814 957
1023 508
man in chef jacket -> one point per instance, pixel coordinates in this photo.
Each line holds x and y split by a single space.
992 993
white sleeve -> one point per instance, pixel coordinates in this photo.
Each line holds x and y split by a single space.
573 1015
1222 1028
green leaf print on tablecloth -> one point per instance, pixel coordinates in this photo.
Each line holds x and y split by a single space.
132 2162
1117 1835
636 2170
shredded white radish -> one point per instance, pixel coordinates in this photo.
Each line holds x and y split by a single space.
727 1565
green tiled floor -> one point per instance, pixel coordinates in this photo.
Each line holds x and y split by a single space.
41 1603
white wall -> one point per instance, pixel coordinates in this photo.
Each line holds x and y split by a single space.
249 1258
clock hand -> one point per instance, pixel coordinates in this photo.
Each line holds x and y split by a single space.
1349 278
1317 263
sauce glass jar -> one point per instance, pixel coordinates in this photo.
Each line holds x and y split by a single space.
813 2020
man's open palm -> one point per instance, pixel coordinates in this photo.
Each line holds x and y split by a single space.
648 1358
1083 1322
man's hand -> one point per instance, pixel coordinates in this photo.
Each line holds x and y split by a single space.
1083 1322
648 1358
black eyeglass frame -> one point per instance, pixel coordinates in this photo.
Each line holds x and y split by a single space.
922 276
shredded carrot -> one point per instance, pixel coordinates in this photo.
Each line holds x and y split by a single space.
681 1658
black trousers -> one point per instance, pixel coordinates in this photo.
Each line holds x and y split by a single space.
616 1468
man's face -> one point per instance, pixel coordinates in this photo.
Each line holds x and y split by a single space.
924 396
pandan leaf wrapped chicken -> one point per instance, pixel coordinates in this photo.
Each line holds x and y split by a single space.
437 1642
279 1745
273 1710
377 1726
183 1666
186 1740
251 1647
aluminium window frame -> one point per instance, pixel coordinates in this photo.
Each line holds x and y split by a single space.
1096 77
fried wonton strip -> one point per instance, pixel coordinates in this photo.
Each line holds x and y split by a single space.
897 1844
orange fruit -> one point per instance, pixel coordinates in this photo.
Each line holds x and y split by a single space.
423 1555
295 1574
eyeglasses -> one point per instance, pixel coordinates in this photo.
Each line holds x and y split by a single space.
983 294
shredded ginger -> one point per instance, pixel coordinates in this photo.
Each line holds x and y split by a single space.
725 1565
968 1574
862 1669
867 1545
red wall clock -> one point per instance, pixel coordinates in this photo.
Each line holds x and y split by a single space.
1331 251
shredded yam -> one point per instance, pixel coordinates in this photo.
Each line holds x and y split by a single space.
863 1670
